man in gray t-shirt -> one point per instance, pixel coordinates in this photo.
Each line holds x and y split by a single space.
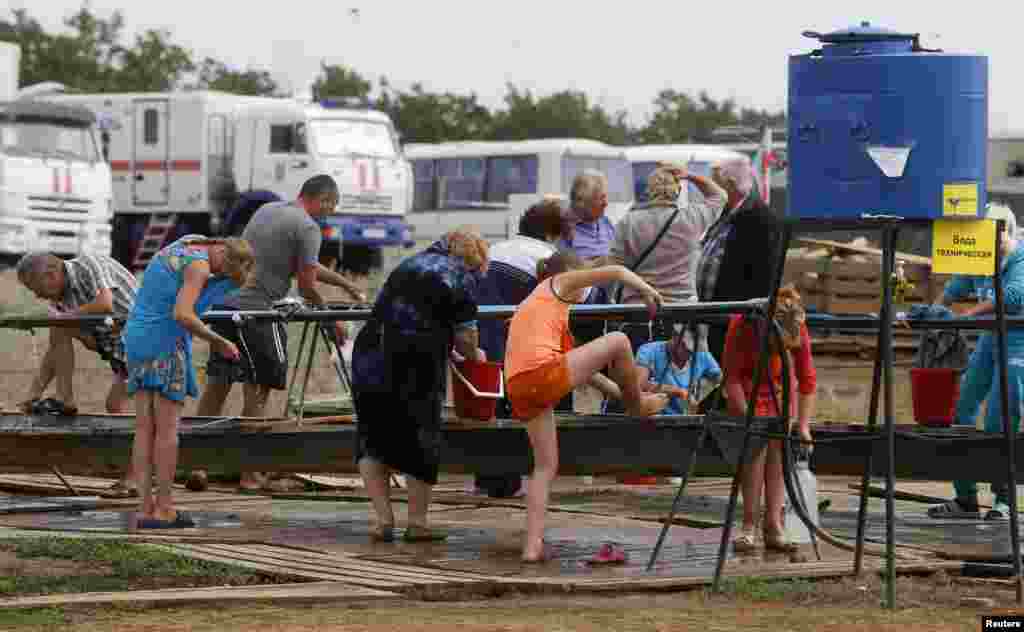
285 239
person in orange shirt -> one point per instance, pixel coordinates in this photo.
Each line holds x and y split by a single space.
764 471
541 367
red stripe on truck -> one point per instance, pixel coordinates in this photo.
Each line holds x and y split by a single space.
155 165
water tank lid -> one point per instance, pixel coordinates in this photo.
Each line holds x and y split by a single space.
862 33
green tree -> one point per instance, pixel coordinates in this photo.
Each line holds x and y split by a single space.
337 81
215 75
566 114
91 58
426 117
153 64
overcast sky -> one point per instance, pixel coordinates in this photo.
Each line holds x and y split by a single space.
619 53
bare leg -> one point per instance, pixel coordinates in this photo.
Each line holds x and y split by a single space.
211 404
774 492
165 449
255 399
419 500
544 442
117 404
64 364
142 450
614 350
753 482
376 478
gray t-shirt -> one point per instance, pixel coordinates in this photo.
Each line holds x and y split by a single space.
284 239
671 268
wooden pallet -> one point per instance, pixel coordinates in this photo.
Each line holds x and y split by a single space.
305 592
308 564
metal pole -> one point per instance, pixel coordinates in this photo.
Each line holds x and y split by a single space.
305 380
876 383
1004 401
889 233
691 460
762 366
295 370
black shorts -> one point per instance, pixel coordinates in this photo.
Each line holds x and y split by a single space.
263 353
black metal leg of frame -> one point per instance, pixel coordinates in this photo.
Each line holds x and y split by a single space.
1004 401
862 510
759 373
885 340
295 370
305 379
691 461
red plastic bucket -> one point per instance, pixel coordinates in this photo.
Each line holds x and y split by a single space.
486 379
934 393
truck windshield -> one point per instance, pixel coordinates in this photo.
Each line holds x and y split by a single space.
48 139
344 137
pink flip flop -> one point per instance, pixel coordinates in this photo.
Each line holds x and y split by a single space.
609 554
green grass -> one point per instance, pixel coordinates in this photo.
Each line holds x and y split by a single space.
130 565
761 589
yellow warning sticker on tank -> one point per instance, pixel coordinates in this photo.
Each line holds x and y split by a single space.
964 247
960 199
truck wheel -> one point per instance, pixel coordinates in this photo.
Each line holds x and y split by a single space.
361 259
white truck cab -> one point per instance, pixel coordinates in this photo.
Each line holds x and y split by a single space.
55 192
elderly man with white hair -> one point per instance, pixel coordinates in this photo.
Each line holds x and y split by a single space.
83 286
738 250
978 383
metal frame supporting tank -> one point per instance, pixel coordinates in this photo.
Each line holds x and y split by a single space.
880 126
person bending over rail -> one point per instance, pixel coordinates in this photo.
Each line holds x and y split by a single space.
542 366
285 239
183 279
88 285
425 310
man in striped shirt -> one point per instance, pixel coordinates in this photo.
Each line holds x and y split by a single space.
86 285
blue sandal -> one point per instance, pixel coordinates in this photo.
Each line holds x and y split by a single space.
181 521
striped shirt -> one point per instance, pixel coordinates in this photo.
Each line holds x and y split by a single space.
87 275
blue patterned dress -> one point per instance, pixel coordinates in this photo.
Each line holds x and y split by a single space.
157 348
399 360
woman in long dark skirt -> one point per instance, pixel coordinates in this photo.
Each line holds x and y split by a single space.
426 309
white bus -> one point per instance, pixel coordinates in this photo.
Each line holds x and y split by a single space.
490 184
697 158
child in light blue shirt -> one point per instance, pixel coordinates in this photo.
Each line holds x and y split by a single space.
669 366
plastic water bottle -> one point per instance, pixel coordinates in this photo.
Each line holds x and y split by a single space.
796 530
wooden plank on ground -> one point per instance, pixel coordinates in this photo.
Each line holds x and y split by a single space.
198 552
359 562
333 571
389 572
318 592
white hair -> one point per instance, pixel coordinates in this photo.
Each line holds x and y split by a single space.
1005 213
33 265
585 186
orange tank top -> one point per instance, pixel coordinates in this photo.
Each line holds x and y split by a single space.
538 332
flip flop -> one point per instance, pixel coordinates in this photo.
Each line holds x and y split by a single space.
609 554
181 521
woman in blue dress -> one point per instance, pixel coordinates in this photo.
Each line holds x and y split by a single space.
426 308
182 280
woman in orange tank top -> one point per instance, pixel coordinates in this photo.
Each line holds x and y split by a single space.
541 367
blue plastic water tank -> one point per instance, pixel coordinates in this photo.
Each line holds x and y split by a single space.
880 126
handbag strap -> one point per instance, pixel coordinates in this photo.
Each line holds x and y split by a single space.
646 253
